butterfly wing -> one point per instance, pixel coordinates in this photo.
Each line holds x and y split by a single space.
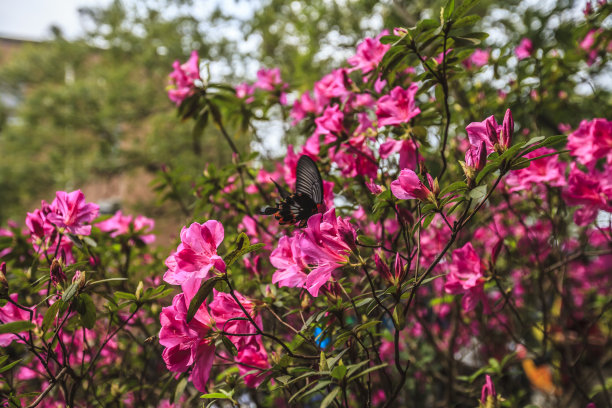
308 179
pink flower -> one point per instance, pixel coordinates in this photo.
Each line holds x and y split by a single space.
593 191
11 313
118 224
245 91
547 170
331 86
224 309
269 79
440 57
303 106
466 277
37 223
478 59
183 77
330 123
524 49
398 107
369 54
323 246
373 187
143 224
409 186
591 141
476 156
354 158
488 390
326 243
195 256
252 355
408 158
187 344
287 259
70 211
497 138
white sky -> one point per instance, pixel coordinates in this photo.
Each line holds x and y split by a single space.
31 19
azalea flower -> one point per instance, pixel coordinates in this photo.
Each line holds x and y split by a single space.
369 54
245 91
187 344
407 148
547 170
195 256
466 277
488 395
591 141
409 186
593 191
71 212
478 59
497 138
183 78
398 107
309 258
269 79
11 313
524 49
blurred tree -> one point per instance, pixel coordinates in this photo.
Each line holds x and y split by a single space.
91 109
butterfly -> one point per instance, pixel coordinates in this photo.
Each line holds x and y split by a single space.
308 197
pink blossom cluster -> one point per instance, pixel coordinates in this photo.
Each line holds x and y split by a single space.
192 344
182 79
309 258
120 224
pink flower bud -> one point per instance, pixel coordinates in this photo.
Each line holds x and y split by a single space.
399 271
507 130
57 274
488 390
383 268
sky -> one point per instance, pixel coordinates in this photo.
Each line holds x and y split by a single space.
31 19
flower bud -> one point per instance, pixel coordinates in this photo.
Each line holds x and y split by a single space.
399 270
3 282
58 277
79 276
507 130
492 132
382 268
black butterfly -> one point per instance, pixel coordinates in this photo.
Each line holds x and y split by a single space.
308 197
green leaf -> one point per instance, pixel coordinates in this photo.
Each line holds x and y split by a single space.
534 140
520 164
89 241
339 372
366 325
50 315
465 6
229 345
16 327
9 366
70 292
466 21
448 9
478 193
329 398
125 295
456 186
428 219
88 311
366 240
205 288
366 371
488 168
235 255
217 395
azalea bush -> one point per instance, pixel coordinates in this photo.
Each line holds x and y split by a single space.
461 254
